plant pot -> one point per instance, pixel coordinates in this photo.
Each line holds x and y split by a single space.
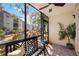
70 46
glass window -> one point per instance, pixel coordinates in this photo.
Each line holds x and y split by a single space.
45 29
12 26
11 23
33 22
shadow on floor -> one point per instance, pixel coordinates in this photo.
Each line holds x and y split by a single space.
63 51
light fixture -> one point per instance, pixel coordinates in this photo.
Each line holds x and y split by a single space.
73 15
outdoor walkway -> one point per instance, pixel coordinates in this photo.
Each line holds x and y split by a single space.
63 51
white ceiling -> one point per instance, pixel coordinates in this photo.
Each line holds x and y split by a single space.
68 7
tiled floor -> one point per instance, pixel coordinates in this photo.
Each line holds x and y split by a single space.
63 51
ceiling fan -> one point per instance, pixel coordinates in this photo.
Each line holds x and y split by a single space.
55 4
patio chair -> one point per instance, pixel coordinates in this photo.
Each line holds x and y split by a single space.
49 50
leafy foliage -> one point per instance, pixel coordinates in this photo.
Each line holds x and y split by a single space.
2 33
71 30
62 32
15 30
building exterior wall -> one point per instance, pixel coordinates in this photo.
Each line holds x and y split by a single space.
1 18
7 22
15 23
20 24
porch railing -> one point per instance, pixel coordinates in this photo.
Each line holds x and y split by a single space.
31 45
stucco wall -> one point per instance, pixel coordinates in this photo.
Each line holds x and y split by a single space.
77 30
54 28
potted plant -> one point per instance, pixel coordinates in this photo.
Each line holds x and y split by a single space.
62 32
71 32
68 32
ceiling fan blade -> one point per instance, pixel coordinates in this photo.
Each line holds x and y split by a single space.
44 7
59 4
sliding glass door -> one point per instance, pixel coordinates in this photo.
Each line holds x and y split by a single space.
45 27
33 21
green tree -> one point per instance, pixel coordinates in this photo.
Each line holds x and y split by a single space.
2 33
37 21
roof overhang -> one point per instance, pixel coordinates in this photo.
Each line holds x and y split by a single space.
67 8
